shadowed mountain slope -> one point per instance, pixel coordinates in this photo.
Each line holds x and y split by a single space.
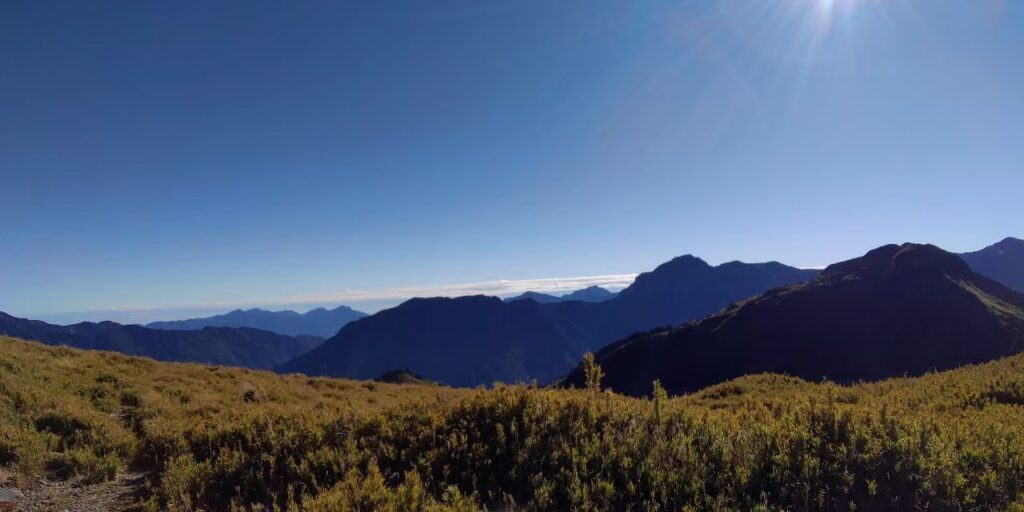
464 341
897 310
317 322
1003 262
246 347
479 340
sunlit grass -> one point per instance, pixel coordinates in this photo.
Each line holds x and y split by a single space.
216 438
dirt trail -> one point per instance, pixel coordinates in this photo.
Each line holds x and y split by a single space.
41 495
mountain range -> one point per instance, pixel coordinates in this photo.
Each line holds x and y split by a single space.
317 322
588 294
246 347
899 309
468 341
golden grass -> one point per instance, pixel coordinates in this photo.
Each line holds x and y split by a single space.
218 438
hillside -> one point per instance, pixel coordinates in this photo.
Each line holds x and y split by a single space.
897 310
250 348
209 438
319 322
1003 262
470 341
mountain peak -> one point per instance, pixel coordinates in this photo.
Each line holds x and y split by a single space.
1003 261
541 298
899 309
523 339
316 322
895 258
684 261
1010 242
917 255
589 294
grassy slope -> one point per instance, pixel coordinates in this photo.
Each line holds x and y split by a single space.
113 394
213 437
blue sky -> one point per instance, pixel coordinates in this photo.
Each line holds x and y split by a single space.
187 154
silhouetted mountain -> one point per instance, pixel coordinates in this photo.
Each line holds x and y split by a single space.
318 322
897 310
465 341
588 294
479 340
1003 262
251 348
538 297
687 287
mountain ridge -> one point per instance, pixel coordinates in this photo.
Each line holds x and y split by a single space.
589 294
1002 261
898 309
469 341
244 347
319 322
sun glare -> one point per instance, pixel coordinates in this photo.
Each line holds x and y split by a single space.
829 9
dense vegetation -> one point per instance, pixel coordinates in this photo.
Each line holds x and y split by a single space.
214 438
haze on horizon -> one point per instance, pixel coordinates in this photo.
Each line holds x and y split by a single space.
189 154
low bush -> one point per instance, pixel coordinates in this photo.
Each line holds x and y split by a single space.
943 442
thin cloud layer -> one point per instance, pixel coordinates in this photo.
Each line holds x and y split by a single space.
369 301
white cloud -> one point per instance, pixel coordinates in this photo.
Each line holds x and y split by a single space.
501 288
370 301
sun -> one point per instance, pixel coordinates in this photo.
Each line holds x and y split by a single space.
828 10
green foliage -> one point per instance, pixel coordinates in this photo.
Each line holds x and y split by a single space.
660 396
592 373
943 442
91 466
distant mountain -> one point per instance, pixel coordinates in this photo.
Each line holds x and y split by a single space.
1003 262
589 294
470 341
318 322
465 341
246 347
897 310
687 288
541 298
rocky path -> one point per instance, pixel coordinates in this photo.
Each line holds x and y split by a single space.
35 494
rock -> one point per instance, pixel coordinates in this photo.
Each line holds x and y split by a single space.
10 495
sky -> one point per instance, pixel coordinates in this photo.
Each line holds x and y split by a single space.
161 158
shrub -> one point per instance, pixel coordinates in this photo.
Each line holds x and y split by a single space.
70 430
8 449
79 462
